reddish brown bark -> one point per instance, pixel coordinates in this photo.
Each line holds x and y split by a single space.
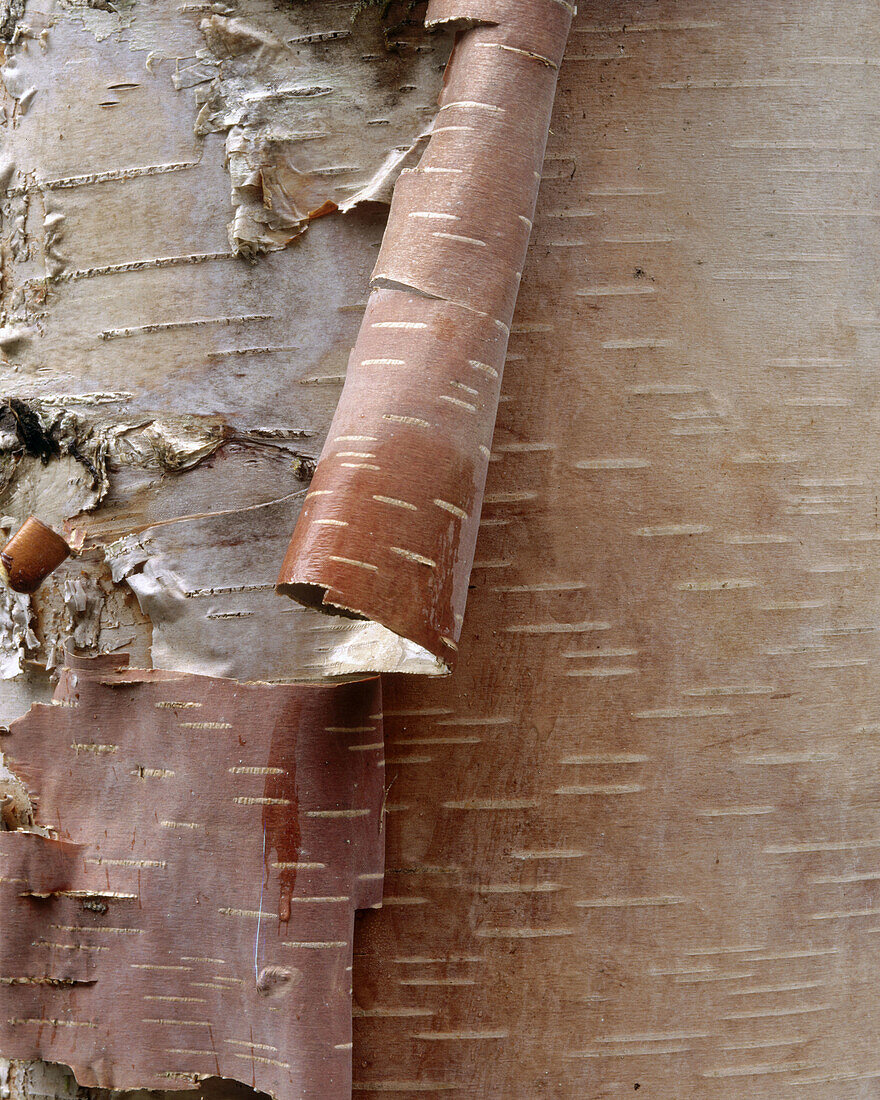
198 920
389 527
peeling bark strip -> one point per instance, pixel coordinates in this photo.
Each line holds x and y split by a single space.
237 968
388 529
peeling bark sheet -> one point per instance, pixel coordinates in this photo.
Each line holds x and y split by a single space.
389 526
130 950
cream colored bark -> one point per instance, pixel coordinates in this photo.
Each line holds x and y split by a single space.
155 163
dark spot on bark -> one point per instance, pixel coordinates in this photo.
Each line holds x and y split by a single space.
11 12
274 981
17 418
48 436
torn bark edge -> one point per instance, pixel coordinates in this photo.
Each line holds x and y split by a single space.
388 530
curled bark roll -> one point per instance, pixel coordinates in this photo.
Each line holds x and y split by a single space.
32 553
389 526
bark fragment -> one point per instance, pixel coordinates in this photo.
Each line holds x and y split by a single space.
32 553
11 12
57 460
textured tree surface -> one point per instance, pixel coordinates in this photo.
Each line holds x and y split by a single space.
173 345
633 840
169 368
